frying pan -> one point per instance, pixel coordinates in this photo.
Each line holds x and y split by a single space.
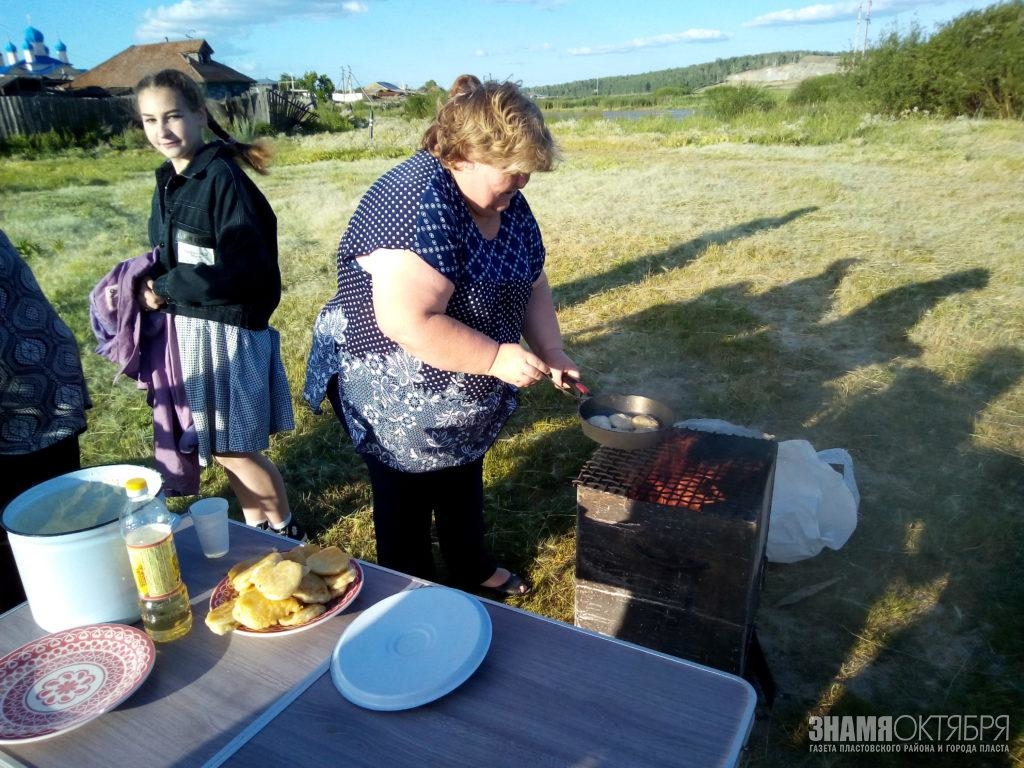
609 403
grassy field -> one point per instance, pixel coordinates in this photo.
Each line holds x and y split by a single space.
864 294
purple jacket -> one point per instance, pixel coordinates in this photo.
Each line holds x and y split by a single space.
145 347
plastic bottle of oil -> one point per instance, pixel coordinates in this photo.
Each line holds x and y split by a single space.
147 527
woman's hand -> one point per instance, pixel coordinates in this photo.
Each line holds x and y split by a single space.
147 297
518 366
562 367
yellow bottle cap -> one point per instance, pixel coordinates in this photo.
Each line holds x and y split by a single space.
136 485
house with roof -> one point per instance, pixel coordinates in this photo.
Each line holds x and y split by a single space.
384 90
32 69
119 74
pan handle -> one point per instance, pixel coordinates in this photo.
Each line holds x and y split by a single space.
581 389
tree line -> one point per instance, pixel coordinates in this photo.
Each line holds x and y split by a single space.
680 79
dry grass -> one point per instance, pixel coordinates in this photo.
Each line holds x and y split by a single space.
866 294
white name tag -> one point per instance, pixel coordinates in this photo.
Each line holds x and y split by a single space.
194 254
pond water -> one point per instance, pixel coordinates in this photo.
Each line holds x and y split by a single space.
615 114
637 114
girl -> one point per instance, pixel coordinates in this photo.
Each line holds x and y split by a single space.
217 276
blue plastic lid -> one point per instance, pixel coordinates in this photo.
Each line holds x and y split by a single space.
411 648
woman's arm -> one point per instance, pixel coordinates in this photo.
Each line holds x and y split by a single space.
543 334
409 300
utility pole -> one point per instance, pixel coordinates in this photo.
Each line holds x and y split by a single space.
865 14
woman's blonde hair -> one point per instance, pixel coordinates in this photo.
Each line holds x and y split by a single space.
256 156
491 123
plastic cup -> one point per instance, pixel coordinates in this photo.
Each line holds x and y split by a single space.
210 519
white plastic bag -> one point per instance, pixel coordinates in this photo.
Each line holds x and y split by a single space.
813 505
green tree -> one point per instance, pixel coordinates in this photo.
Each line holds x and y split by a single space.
978 62
974 65
322 89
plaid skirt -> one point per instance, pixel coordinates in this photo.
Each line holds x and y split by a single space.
236 385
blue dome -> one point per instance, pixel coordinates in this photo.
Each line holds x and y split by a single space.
9 48
33 35
61 46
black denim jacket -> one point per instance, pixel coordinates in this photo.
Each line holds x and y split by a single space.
217 236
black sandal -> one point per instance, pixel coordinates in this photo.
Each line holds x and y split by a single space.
514 586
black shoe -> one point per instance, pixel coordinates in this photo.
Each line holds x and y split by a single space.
291 531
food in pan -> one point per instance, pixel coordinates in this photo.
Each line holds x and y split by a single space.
282 589
625 422
643 422
621 422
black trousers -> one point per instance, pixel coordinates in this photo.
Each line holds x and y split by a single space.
405 504
18 473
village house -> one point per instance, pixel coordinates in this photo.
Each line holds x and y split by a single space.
119 74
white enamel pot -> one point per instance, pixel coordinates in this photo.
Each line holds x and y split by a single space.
66 540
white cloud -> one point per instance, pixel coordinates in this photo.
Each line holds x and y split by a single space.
823 13
199 18
515 50
689 36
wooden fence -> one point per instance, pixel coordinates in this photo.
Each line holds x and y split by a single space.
27 115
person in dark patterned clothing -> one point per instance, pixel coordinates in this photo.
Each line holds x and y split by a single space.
43 397
440 275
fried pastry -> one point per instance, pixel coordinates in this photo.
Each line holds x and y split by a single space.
328 561
221 619
279 589
621 422
243 565
301 616
642 422
256 611
312 589
338 582
246 578
301 553
278 580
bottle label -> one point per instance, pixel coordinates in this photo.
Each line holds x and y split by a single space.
154 560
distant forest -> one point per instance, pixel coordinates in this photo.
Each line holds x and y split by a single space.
686 79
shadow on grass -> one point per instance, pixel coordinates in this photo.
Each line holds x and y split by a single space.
678 256
939 519
939 530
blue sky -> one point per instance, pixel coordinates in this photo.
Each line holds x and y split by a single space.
536 42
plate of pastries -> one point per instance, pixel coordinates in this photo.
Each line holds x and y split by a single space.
278 593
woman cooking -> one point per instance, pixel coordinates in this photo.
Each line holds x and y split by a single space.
440 274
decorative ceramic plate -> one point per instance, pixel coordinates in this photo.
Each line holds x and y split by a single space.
224 592
411 648
59 682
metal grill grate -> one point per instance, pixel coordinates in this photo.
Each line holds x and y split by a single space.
698 471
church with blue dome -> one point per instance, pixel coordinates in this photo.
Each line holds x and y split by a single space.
33 61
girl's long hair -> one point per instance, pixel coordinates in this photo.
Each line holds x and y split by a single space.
256 156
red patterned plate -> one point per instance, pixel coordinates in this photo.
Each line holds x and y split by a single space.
224 592
57 683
